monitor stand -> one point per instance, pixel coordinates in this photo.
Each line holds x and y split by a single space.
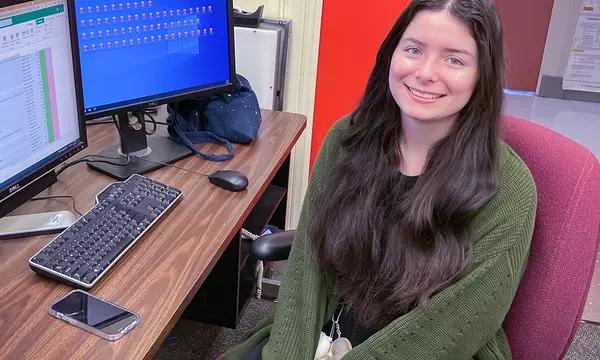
146 153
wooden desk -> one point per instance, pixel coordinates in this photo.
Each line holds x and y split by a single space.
158 277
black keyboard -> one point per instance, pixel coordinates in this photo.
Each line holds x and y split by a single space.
124 211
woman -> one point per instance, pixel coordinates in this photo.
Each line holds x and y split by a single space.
417 223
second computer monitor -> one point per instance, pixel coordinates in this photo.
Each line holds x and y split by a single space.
135 53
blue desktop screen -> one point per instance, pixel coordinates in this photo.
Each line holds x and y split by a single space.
139 51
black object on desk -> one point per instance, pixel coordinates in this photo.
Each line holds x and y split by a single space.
229 180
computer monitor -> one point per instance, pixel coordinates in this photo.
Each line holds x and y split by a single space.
139 53
41 118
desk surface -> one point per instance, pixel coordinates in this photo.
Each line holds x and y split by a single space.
158 277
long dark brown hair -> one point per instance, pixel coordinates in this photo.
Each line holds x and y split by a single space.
389 250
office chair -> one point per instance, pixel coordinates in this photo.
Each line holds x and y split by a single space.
547 308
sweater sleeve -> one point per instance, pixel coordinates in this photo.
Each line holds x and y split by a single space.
462 319
302 301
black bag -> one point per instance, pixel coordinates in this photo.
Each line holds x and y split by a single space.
220 119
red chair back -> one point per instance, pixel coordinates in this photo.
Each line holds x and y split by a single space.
547 309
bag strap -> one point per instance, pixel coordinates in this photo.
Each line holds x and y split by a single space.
189 138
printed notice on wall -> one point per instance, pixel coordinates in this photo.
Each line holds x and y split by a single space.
583 69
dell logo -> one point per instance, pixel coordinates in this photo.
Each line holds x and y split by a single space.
14 188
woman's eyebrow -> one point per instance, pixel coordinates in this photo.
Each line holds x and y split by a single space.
460 51
413 40
422 44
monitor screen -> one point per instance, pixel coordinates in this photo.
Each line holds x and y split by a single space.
145 52
40 124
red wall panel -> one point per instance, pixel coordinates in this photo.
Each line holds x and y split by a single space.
351 32
525 30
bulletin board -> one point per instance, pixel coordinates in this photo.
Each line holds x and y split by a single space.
583 69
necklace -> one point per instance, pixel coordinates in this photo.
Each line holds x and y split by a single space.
335 324
330 349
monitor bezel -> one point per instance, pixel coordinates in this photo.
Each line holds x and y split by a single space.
141 105
13 188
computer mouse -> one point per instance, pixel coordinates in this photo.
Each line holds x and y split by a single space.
229 180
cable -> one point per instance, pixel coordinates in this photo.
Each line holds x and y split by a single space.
144 114
170 165
108 121
260 266
114 118
153 121
260 270
87 159
59 197
151 109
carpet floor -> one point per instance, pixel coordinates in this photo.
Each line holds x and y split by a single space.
192 340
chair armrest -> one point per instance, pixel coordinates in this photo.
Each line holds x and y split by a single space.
273 247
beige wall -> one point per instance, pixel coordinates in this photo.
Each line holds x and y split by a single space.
301 77
560 37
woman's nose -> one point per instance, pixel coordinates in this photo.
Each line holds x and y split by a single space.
427 72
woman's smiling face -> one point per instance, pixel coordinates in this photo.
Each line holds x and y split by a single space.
434 68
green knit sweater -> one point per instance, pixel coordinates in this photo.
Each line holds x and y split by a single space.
464 321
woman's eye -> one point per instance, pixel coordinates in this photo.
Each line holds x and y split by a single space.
455 61
413 51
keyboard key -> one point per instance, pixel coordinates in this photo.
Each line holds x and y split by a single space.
82 271
70 269
89 277
40 260
61 265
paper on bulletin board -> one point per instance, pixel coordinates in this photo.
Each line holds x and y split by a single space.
583 69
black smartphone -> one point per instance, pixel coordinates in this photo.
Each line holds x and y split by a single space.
95 315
